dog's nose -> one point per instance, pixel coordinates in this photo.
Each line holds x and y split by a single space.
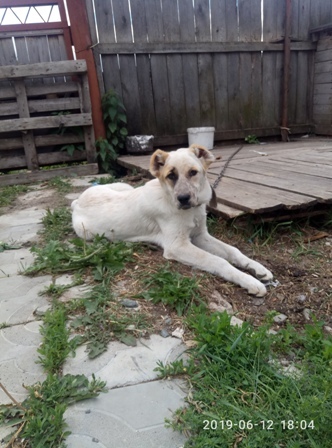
184 199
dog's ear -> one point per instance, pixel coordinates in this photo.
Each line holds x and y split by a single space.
202 153
213 201
158 160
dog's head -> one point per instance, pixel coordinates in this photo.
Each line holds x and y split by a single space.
182 174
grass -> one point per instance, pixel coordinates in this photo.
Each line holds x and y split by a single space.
171 288
57 224
10 193
60 184
239 396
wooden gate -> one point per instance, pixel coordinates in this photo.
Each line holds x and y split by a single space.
184 63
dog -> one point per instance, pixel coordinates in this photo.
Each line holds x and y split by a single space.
169 211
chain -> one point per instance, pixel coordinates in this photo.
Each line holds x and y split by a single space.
216 182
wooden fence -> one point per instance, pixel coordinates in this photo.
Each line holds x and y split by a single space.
187 63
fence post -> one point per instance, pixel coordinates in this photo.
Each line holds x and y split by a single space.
285 91
81 37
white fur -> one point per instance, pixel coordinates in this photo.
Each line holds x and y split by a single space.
153 213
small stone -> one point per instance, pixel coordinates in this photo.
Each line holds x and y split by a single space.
41 310
307 313
164 333
271 331
129 303
131 327
280 318
88 411
95 440
301 298
178 333
257 302
328 329
235 321
168 321
220 304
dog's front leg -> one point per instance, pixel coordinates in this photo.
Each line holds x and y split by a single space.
210 244
185 252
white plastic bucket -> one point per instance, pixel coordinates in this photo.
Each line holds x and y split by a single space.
201 136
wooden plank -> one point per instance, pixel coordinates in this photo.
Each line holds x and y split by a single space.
44 105
300 184
49 158
323 78
189 64
324 55
199 47
324 129
323 98
128 71
171 28
26 178
324 43
7 144
146 98
303 101
251 198
43 69
322 89
56 88
323 67
89 138
27 137
24 124
155 32
250 22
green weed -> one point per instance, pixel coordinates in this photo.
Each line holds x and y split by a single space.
100 255
172 289
60 184
238 391
57 224
10 193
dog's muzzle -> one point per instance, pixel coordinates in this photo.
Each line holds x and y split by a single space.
184 201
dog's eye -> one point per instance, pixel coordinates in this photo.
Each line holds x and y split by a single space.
171 176
193 173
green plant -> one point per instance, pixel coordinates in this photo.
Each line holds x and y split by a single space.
9 194
57 223
251 139
171 288
60 184
174 368
240 392
115 119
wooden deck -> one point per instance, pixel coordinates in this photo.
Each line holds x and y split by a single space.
279 180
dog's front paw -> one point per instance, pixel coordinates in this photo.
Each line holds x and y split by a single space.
260 271
256 288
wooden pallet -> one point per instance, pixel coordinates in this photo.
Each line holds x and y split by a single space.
274 181
45 109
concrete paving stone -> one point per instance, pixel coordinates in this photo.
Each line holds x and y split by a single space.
19 297
128 417
72 196
122 365
21 226
85 181
14 261
36 195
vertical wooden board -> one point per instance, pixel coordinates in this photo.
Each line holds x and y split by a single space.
22 50
189 63
295 25
145 88
205 65
304 19
302 100
268 86
292 88
206 90
37 49
7 52
257 97
232 32
57 51
273 19
310 87
278 82
314 13
218 20
128 72
111 74
174 67
104 19
159 76
250 27
325 11
233 83
220 87
246 111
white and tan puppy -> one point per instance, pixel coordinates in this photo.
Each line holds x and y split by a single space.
169 211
